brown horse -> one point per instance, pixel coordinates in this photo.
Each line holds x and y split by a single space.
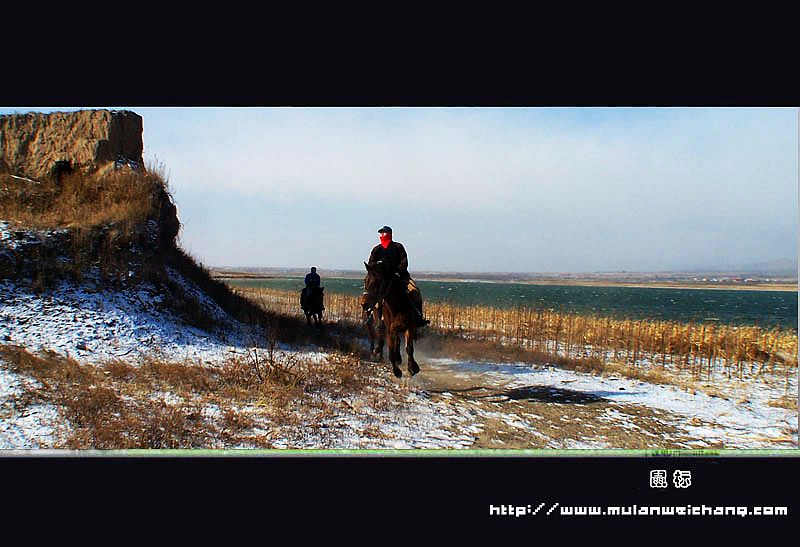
387 291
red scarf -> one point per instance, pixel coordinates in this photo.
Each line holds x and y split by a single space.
385 240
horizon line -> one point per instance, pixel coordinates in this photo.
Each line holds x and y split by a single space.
512 272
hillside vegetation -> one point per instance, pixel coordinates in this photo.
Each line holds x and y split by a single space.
126 198
120 227
115 224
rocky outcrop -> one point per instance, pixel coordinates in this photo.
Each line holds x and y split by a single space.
168 223
39 145
44 147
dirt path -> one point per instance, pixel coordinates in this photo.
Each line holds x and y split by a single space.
536 416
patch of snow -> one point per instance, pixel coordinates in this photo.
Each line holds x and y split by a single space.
701 416
93 324
31 427
167 397
417 424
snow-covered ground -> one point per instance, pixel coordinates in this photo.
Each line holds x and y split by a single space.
32 427
742 419
93 324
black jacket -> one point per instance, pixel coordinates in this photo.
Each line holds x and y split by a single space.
312 280
394 255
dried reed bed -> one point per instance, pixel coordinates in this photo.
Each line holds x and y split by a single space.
698 348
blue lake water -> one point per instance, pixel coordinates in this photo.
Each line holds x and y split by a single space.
735 307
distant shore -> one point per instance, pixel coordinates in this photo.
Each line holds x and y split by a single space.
757 286
667 285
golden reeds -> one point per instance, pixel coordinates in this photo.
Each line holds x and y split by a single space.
699 348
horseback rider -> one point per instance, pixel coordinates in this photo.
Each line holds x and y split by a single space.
394 256
312 282
312 279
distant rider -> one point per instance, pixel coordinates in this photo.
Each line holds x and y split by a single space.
312 281
393 254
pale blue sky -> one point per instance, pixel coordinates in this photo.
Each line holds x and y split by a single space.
482 189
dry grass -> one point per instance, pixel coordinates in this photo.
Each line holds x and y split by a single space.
188 405
339 375
112 222
789 403
82 201
652 376
100 414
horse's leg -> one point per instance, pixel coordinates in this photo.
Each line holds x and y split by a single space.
371 334
381 339
379 349
394 353
398 356
308 317
369 321
413 367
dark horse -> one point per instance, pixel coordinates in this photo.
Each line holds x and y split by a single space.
312 305
388 291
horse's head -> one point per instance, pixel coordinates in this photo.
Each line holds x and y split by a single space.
375 285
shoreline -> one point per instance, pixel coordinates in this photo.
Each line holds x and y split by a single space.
780 287
777 287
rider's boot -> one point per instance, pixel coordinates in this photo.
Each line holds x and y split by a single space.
419 319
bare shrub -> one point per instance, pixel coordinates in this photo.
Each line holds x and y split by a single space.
338 374
119 370
196 378
163 426
235 422
789 403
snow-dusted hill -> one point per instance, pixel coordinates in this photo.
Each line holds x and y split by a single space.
92 323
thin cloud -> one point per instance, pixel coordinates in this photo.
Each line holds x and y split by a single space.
483 189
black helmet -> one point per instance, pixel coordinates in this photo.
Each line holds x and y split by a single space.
385 229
